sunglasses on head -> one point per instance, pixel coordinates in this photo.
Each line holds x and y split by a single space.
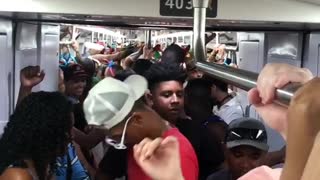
246 134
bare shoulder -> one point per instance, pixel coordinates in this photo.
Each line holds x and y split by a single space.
16 174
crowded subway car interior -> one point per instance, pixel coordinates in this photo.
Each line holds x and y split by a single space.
163 89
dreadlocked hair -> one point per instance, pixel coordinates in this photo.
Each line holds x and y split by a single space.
38 130
161 72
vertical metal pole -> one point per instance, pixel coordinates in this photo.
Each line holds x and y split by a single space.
92 36
199 29
73 33
148 38
217 38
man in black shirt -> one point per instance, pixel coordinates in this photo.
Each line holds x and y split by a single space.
167 98
245 148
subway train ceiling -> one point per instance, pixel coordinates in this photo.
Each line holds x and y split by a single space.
232 15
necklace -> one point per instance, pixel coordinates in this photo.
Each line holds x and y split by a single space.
223 100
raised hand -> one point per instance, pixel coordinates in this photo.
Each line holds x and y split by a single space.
272 77
31 76
210 37
147 53
159 158
75 45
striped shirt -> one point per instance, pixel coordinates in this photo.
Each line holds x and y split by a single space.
78 172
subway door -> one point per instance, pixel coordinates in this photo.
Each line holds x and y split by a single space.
6 72
250 58
49 56
249 55
37 45
251 51
26 51
311 58
284 47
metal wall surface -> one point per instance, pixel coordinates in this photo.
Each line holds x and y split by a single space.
37 44
26 54
49 56
284 47
251 58
6 72
253 48
311 58
251 51
249 55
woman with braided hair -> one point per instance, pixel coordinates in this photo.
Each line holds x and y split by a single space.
37 133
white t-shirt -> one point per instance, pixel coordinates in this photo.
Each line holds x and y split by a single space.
231 110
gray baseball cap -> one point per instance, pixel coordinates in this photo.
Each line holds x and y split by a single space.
247 131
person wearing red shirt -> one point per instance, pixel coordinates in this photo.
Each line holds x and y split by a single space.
187 158
118 106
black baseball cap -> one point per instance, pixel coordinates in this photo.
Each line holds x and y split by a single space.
74 72
247 131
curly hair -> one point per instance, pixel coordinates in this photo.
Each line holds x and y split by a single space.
161 72
38 130
219 84
89 66
124 74
198 89
141 66
173 54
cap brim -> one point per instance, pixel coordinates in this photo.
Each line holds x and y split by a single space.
138 84
258 145
77 77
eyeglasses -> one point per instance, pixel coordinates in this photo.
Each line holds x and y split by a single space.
115 143
249 134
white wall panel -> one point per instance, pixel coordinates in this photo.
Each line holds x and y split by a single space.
257 10
311 58
6 72
38 44
25 51
49 59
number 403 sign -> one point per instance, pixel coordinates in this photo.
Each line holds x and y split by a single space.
184 8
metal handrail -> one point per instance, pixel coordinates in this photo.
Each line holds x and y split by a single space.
237 77
245 80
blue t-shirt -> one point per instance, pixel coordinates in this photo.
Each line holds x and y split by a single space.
65 60
220 175
78 171
213 118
